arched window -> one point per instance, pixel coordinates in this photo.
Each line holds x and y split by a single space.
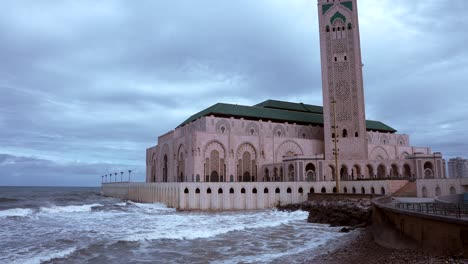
382 191
354 190
327 28
231 190
197 190
265 190
252 131
208 190
300 190
165 169
372 190
334 189
345 133
277 190
363 191
312 190
242 190
350 26
220 190
254 190
323 190
288 190
186 190
356 134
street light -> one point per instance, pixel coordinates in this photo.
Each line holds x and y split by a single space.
106 177
129 172
102 179
121 176
115 176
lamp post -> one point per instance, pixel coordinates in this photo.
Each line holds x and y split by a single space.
121 176
106 177
115 174
102 179
335 150
129 172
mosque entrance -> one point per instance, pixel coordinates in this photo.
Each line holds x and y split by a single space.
246 177
214 177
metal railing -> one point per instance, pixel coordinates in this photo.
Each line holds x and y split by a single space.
442 209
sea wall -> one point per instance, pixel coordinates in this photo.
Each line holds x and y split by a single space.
237 195
435 234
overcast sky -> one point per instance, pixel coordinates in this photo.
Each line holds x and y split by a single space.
87 86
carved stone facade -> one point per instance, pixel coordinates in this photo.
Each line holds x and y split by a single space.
218 149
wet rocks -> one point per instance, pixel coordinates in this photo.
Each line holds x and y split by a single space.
346 212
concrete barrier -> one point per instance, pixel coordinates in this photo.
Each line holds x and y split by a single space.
238 195
397 228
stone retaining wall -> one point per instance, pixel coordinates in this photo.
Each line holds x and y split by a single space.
434 234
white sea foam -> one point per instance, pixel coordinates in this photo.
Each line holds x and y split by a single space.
194 226
16 212
153 207
46 256
69 209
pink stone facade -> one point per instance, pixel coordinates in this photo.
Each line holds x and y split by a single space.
214 149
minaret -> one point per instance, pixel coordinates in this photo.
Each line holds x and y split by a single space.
342 79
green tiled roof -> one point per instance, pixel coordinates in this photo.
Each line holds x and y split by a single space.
277 111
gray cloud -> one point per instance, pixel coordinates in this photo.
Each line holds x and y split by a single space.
97 82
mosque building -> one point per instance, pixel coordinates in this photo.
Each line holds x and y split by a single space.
277 141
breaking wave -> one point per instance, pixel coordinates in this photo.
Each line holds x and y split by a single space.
16 212
69 208
189 226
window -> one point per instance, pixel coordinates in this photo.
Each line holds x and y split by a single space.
231 190
356 134
350 26
254 190
300 190
277 190
288 190
186 190
327 29
220 190
242 190
265 190
209 190
345 58
252 131
197 190
336 59
223 129
345 133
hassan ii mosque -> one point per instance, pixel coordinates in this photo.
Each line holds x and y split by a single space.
288 142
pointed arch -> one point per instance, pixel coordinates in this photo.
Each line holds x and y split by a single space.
287 148
379 153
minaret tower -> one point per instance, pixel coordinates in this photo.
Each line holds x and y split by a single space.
342 82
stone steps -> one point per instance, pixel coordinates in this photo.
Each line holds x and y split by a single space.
408 190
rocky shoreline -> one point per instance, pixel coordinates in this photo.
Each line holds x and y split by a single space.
348 213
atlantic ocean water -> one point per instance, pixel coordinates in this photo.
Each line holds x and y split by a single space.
78 225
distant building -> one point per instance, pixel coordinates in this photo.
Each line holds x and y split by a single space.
458 168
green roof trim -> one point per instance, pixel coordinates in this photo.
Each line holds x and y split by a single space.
300 107
277 111
325 8
348 5
337 15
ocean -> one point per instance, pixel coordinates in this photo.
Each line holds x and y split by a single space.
78 225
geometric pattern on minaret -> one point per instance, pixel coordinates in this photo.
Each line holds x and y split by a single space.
342 80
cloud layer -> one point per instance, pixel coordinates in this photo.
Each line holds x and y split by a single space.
87 86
